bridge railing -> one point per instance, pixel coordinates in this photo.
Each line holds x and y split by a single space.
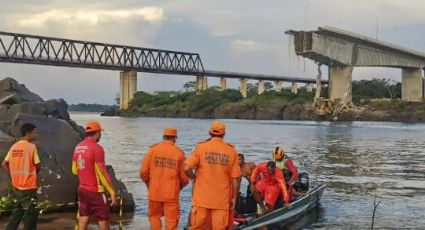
30 49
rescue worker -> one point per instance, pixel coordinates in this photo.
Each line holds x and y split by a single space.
162 171
22 164
88 163
285 164
217 180
269 186
290 172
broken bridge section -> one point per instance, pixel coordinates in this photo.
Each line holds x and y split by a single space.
341 51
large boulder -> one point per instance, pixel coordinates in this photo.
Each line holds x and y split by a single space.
58 108
56 140
11 92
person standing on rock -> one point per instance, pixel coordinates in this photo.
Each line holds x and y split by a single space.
22 164
88 163
216 186
162 171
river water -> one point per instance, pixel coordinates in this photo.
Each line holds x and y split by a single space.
359 161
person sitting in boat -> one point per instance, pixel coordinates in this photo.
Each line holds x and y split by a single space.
269 187
247 204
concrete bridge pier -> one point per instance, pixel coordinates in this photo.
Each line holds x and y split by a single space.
223 83
243 87
201 83
340 84
294 88
128 87
261 87
412 84
278 86
309 87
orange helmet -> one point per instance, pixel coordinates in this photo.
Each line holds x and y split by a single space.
92 126
278 153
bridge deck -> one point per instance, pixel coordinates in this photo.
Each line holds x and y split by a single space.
41 50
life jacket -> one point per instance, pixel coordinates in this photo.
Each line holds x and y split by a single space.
21 165
281 165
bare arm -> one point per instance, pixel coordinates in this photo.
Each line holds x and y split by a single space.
236 187
189 172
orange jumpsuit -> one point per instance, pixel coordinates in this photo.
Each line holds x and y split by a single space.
162 171
216 164
270 185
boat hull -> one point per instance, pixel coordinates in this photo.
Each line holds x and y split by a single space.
283 215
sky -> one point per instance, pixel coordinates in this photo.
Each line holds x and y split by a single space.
238 35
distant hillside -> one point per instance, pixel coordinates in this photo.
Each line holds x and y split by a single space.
82 107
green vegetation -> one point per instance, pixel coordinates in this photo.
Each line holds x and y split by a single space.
379 100
81 107
376 88
212 98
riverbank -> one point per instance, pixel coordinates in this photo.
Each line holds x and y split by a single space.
214 104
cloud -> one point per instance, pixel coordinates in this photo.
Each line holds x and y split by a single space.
67 16
240 46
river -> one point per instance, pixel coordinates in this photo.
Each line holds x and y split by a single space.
359 161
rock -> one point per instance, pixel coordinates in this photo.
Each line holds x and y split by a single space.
36 108
57 108
128 201
56 140
11 92
5 142
295 112
111 112
3 110
55 136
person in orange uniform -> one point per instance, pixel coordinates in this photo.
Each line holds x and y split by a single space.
269 186
22 164
162 171
88 163
217 174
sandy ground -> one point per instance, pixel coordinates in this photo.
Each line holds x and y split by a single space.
66 221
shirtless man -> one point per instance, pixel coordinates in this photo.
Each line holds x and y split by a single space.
246 171
246 167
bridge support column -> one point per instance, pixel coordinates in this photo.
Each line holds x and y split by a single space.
243 87
201 83
261 87
223 83
340 84
309 87
128 87
278 86
412 85
294 88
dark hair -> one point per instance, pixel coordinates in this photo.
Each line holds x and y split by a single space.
90 134
271 164
165 137
27 128
241 156
215 135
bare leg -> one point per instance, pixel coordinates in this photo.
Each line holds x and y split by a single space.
103 225
83 222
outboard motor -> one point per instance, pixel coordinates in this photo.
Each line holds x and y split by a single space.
302 184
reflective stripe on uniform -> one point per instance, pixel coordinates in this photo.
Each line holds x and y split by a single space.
22 172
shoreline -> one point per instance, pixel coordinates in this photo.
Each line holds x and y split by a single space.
298 112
